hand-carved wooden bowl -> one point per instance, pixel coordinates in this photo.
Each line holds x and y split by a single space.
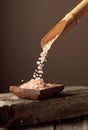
51 91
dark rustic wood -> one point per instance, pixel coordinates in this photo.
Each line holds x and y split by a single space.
79 123
51 90
72 102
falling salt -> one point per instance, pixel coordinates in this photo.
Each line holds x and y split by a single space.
22 80
40 62
40 72
42 59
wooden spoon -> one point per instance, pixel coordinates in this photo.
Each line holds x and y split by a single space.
72 18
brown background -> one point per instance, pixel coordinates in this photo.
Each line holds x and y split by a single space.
23 23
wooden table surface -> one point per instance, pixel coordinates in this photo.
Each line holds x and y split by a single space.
79 123
33 115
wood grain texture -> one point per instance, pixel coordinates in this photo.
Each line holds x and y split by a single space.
79 123
72 102
41 127
70 125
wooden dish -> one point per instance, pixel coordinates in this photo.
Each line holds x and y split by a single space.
52 90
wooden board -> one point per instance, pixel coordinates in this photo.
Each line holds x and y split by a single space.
72 102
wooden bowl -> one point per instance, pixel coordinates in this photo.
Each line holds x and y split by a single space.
52 90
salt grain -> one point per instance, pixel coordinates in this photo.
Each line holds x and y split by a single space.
22 80
38 62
